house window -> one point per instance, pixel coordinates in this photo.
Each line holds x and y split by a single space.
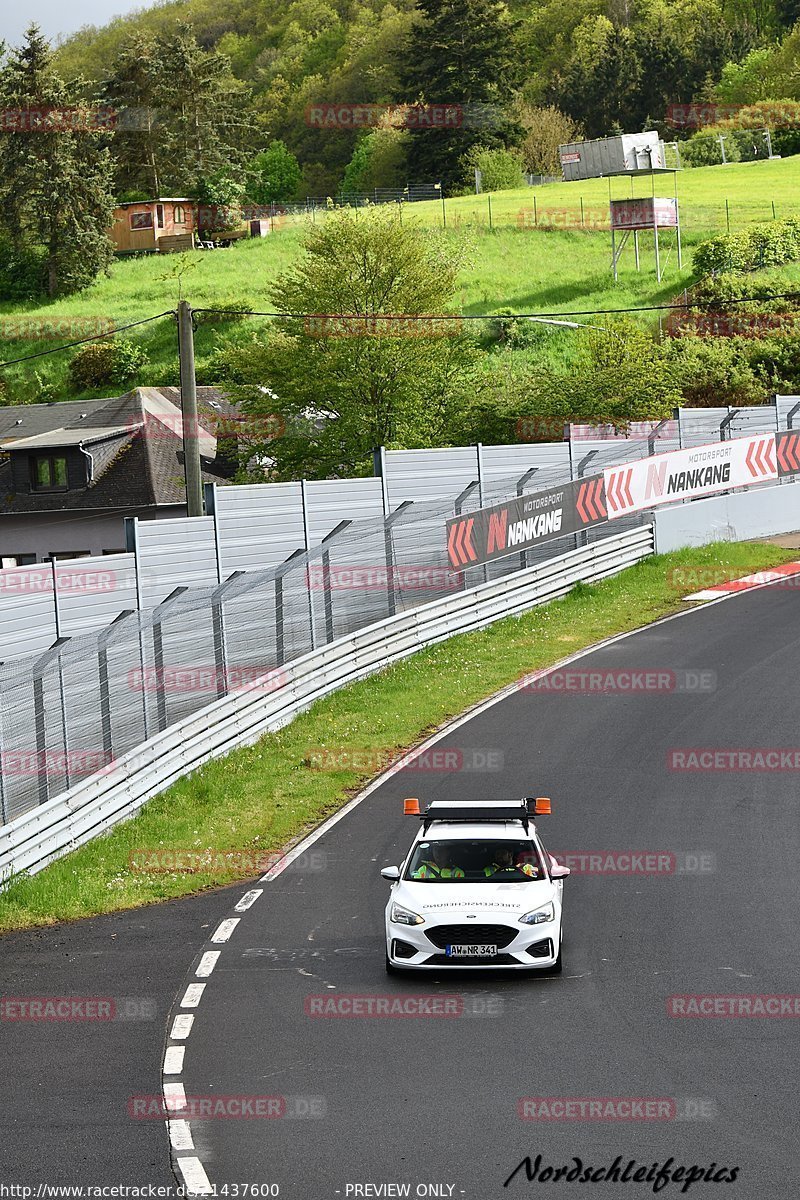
160 216
17 560
48 473
178 215
141 220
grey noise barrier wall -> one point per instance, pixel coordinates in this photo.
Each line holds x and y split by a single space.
101 800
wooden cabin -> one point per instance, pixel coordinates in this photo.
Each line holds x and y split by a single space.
164 224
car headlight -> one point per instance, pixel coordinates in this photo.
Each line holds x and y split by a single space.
402 916
539 916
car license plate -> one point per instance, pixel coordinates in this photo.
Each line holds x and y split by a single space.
471 951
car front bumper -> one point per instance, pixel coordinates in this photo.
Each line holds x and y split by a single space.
532 947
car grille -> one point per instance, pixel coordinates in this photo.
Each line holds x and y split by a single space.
471 935
463 964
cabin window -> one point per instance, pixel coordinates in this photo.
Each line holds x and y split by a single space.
141 220
48 473
160 216
178 215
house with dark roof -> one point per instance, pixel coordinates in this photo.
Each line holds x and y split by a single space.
70 472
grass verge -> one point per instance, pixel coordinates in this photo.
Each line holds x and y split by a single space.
233 813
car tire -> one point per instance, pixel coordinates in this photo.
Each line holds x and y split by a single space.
558 965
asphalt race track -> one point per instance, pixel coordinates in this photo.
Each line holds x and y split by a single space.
435 1102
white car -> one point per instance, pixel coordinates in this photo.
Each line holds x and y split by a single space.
477 889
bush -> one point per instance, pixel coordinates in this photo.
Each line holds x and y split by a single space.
23 272
501 170
106 362
714 371
715 292
703 150
786 142
768 245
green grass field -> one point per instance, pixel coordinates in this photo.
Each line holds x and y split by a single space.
218 824
512 265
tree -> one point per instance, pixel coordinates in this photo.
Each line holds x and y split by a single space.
463 54
274 174
188 115
379 161
545 129
55 180
342 385
133 89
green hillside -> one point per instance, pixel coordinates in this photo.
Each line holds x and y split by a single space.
511 266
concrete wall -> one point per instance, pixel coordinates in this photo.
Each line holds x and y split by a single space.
732 518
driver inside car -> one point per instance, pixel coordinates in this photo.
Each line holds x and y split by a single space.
503 864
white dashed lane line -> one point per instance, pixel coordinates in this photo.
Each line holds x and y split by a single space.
174 1097
180 1135
225 930
207 963
182 1026
194 1176
248 899
180 1131
173 1060
192 995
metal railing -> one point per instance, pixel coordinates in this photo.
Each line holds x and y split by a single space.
185 740
79 705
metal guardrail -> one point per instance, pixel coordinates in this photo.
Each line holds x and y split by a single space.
100 801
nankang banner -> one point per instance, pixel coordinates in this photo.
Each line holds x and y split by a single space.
683 474
526 521
516 525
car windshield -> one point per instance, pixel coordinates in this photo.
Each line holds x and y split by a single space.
463 861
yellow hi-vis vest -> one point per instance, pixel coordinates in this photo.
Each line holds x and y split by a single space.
431 871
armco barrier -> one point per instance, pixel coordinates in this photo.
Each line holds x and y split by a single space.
99 802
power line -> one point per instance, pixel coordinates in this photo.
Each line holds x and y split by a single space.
577 312
95 337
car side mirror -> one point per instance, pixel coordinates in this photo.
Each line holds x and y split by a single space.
557 871
393 873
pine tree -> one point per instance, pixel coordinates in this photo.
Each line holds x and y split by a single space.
133 90
462 54
189 117
204 110
55 173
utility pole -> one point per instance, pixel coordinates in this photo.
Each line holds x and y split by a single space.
191 439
